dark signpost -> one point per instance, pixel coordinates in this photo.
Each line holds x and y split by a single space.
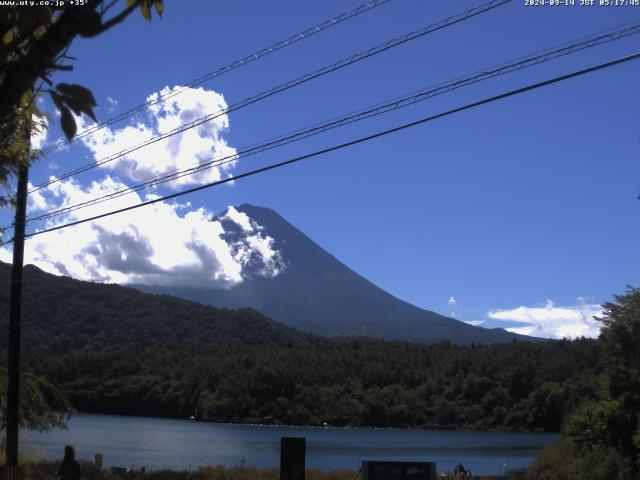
387 470
292 451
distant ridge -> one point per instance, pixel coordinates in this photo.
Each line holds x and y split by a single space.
61 314
319 294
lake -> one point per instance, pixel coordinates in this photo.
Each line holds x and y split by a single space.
157 443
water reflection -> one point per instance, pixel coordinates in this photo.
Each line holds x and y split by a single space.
182 444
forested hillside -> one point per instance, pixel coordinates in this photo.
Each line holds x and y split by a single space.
62 314
116 350
510 386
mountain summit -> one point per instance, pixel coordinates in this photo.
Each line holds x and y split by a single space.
298 283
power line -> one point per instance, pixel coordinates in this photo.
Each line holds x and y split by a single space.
379 109
367 138
227 68
288 85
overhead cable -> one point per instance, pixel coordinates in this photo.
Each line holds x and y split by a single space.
357 141
286 86
379 109
349 14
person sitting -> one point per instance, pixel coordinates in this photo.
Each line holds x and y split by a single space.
69 468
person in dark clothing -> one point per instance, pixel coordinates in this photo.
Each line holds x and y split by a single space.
69 468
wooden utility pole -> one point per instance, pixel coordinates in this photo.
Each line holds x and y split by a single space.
15 316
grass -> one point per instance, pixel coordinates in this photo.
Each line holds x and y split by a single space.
36 468
33 469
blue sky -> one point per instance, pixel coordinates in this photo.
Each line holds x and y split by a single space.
520 211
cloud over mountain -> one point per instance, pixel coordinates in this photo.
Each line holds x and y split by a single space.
161 244
551 321
184 150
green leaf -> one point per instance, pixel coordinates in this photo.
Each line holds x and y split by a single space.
79 92
146 12
78 98
90 114
68 123
9 35
159 4
26 98
57 100
78 107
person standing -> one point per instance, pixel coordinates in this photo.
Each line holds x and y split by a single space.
69 468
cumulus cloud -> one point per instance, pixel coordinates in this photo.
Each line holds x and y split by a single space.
39 132
453 305
551 321
161 244
241 219
164 243
35 200
250 246
184 150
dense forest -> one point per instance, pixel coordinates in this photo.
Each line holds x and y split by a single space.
516 386
601 438
116 350
111 349
61 314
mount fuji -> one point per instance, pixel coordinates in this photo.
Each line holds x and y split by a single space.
299 284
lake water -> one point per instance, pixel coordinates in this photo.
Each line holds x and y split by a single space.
157 443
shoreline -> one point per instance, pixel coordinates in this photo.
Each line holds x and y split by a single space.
319 427
204 443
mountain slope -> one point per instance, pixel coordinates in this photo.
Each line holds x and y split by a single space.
317 293
62 314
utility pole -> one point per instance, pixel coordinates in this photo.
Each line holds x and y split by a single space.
15 316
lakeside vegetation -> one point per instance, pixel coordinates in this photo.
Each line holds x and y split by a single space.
37 469
176 359
40 470
602 438
117 350
515 386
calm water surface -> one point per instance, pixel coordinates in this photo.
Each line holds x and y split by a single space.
181 444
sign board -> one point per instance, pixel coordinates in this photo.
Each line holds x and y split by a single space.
292 453
388 470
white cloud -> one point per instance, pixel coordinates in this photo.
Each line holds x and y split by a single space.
39 132
113 104
36 200
184 150
551 321
164 244
250 246
453 305
475 323
239 218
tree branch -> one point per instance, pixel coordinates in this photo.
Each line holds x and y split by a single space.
114 21
108 7
23 73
